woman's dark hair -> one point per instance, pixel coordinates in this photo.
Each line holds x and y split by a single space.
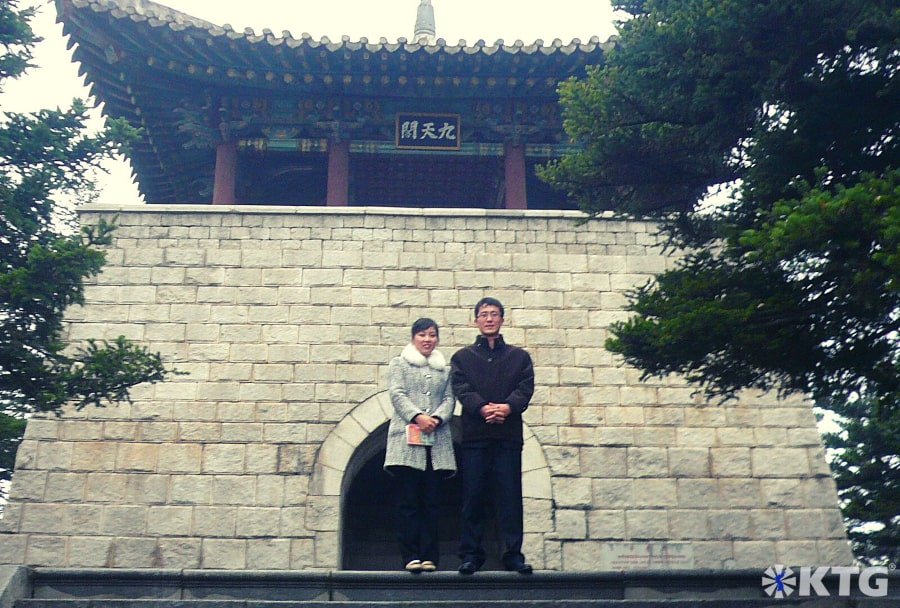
423 324
489 302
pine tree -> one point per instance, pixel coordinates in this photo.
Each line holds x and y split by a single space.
46 156
792 283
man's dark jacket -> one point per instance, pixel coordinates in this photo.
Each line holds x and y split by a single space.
481 375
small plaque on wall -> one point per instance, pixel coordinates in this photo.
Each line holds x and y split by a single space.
416 131
647 556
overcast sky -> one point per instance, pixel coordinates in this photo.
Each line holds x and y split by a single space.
56 82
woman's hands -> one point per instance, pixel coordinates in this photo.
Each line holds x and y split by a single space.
426 423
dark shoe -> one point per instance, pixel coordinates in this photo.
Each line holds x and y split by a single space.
468 567
520 567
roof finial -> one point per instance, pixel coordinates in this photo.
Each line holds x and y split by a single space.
425 31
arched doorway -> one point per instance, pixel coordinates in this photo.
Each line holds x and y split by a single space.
350 494
368 540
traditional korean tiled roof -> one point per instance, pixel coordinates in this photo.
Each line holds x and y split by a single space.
157 67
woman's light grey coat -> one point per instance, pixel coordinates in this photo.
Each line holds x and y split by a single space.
420 386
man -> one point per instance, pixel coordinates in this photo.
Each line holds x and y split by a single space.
494 382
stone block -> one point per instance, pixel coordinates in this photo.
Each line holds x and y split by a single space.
126 552
739 492
13 549
223 554
606 524
729 524
326 550
120 431
571 524
200 431
697 493
536 483
61 487
54 456
625 415
237 332
268 554
603 462
270 490
28 485
257 522
223 458
41 428
767 524
730 462
754 553
647 462
713 554
653 436
126 520
574 493
834 552
609 493
137 457
242 432
79 430
688 524
48 551
797 552
323 513
169 520
261 458
191 489
700 437
771 436
179 553
804 524
580 556
577 435
302 553
646 524
651 493
779 462
234 490
689 462
214 521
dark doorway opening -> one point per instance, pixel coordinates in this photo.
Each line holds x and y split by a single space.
368 540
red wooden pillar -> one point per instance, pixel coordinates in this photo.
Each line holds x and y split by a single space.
514 173
226 170
338 173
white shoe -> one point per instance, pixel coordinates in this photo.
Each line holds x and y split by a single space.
428 566
413 566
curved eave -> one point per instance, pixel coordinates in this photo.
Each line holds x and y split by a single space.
119 30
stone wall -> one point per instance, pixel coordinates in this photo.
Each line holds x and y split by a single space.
284 320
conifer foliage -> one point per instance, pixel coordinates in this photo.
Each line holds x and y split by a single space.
793 282
44 258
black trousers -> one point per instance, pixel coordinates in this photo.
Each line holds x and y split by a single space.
491 469
418 510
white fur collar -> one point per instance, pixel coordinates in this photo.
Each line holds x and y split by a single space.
435 361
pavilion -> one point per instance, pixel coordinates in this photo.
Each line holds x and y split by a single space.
239 117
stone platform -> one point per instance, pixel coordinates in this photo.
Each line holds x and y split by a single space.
248 589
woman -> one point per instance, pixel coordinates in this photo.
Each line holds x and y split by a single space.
423 399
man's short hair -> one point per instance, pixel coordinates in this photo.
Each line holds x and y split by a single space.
489 302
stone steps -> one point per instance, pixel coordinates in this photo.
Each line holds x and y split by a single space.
558 603
76 588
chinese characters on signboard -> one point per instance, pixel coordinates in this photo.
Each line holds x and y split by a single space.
428 131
